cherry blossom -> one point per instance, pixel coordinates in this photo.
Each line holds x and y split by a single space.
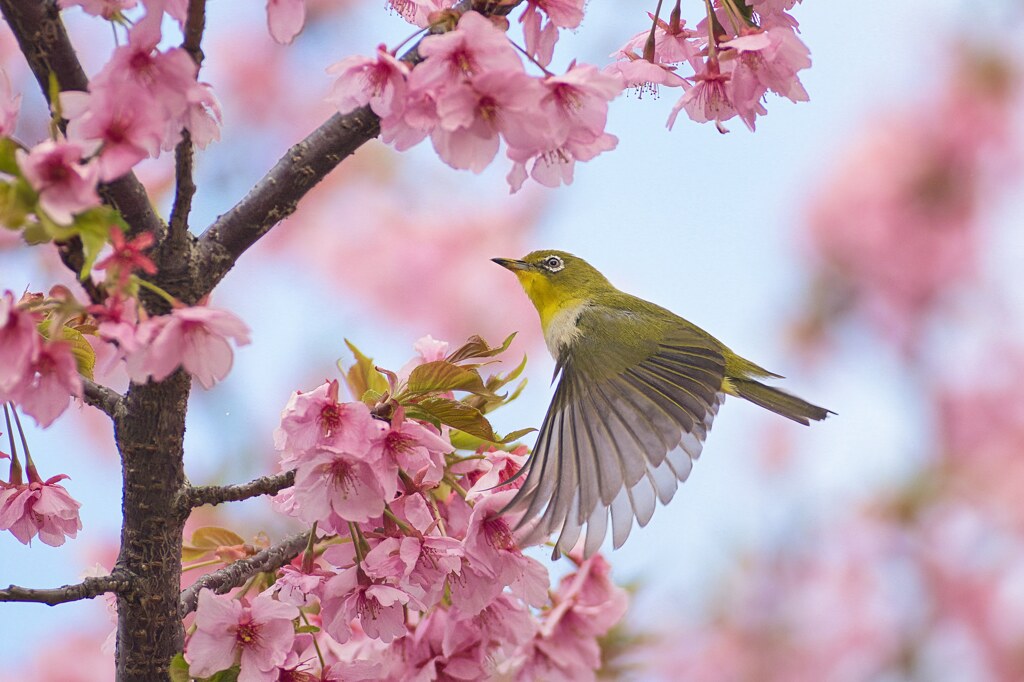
410 446
65 185
194 338
49 383
475 47
10 105
39 507
379 82
317 418
259 635
127 256
108 9
334 487
19 343
285 19
378 607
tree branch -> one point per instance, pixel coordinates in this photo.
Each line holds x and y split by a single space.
196 496
107 400
277 194
235 574
45 44
87 589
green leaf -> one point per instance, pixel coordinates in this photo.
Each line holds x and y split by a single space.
455 414
208 539
229 675
441 376
15 203
81 350
476 347
513 436
8 161
178 670
362 376
93 228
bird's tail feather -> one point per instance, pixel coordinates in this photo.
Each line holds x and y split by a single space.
777 401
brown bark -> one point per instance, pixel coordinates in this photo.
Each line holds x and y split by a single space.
150 433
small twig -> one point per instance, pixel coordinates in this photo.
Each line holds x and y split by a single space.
197 496
184 153
235 574
87 589
107 400
184 190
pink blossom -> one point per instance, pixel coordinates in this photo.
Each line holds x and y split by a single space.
127 132
671 45
65 185
379 82
555 167
351 595
285 19
419 565
108 9
334 488
127 256
563 13
471 117
10 104
195 338
19 344
708 100
540 38
773 58
428 349
413 123
496 468
445 647
317 418
298 587
260 634
411 446
578 99
42 507
46 388
202 116
475 47
418 12
644 76
492 546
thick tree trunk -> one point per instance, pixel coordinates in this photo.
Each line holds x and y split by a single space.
149 436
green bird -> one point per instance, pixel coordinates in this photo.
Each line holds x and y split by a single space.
639 389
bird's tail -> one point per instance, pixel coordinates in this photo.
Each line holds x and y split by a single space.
777 401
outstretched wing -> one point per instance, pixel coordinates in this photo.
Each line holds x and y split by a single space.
623 429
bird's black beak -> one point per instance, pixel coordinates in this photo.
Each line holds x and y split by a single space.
511 264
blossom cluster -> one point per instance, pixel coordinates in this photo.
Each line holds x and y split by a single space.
141 100
415 572
737 55
471 90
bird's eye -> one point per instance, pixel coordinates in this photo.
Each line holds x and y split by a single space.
553 263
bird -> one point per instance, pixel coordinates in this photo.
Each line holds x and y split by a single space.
638 388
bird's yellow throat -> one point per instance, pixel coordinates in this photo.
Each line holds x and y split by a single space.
548 299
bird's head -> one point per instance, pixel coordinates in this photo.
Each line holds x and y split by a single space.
555 279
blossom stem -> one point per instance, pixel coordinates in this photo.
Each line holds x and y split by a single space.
712 36
650 45
145 284
405 527
402 44
316 645
450 480
15 475
357 542
30 466
309 556
437 515
530 57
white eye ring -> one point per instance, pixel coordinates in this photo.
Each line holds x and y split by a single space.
553 264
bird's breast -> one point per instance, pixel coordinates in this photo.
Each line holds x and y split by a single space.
561 328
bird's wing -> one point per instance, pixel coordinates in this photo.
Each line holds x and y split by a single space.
623 429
